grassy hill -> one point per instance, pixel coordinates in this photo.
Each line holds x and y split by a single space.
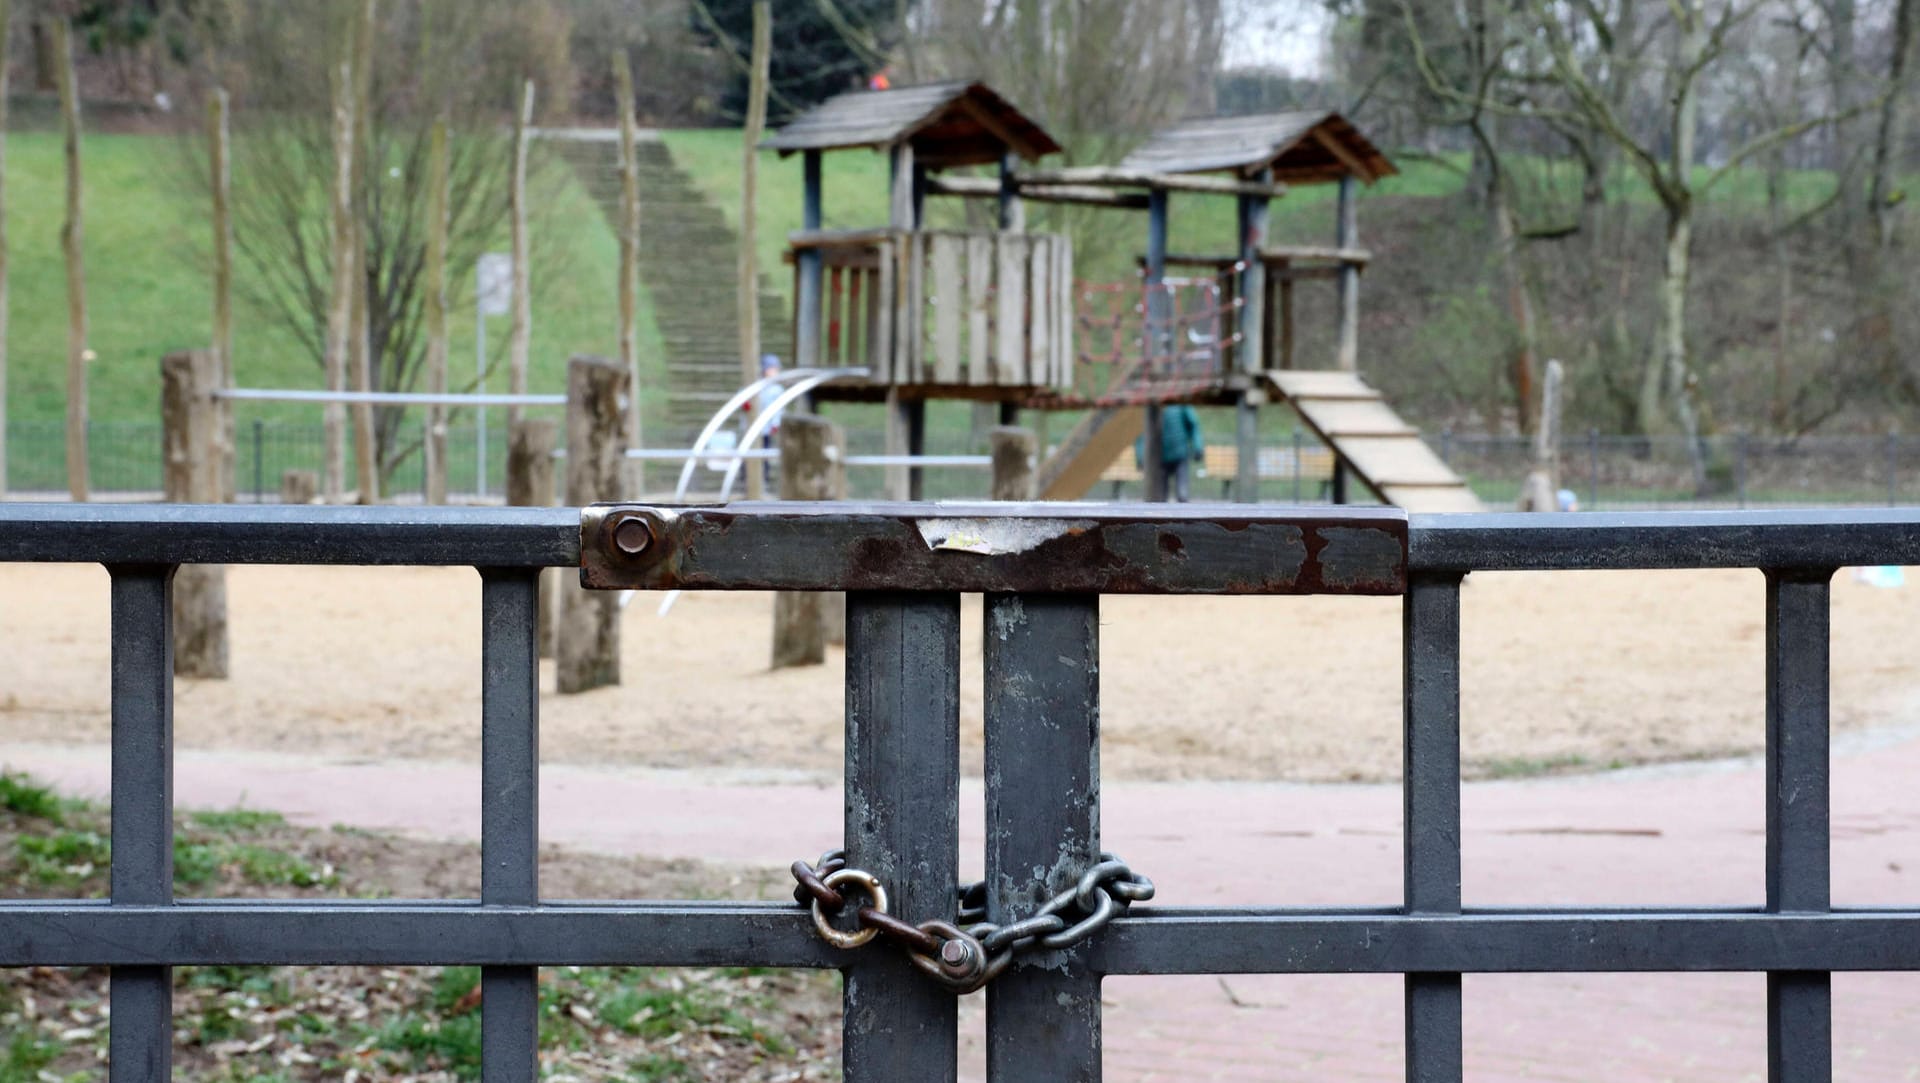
149 290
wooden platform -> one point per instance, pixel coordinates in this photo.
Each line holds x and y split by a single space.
1379 446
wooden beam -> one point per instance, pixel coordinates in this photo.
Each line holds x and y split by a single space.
1335 253
1354 165
989 188
1111 177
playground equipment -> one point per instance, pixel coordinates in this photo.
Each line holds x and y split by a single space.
993 315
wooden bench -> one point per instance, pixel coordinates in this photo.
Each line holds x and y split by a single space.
1314 469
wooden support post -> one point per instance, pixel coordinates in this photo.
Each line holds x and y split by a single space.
190 420
438 183
1251 320
1016 463
219 150
1013 213
629 249
1159 330
299 487
520 332
78 483
1348 237
1246 475
900 186
747 284
807 300
530 484
813 453
6 41
588 649
899 423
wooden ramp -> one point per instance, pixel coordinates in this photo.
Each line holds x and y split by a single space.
1375 443
1102 436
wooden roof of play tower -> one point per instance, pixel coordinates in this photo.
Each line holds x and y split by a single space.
949 124
1303 148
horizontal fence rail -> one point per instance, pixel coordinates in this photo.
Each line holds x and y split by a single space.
1042 568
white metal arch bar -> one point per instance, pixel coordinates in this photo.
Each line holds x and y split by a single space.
731 407
759 426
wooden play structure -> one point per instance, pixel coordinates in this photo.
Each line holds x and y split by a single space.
997 315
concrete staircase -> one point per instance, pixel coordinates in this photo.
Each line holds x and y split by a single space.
688 260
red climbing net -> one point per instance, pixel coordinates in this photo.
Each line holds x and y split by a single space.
1119 363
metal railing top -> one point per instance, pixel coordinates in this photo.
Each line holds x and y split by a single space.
771 542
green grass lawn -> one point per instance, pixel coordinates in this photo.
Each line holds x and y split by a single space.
149 289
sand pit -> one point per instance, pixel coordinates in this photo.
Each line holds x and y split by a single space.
1562 671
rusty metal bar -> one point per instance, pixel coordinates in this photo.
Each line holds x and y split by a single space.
1028 548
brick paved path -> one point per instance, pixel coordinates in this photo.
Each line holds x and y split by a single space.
1684 835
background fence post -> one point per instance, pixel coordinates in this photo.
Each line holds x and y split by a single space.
813 453
1893 454
530 446
1016 458
588 633
195 473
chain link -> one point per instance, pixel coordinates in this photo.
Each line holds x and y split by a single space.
967 953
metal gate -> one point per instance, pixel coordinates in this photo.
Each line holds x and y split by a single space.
1042 569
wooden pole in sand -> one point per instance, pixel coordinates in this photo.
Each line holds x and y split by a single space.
191 420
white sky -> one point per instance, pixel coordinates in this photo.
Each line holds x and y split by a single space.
1290 34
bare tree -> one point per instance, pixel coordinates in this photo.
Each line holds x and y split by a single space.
430 59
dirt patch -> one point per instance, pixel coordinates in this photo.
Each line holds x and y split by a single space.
1562 671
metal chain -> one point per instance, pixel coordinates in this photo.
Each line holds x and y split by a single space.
970 951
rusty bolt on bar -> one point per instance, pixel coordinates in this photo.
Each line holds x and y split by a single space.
632 536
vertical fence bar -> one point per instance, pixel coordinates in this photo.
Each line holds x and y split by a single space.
1430 790
902 823
1042 709
509 810
142 796
1799 839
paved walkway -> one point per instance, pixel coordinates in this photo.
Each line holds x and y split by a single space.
1685 835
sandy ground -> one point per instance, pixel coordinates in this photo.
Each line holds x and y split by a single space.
1560 671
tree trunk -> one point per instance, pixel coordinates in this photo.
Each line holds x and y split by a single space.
747 299
6 42
72 235
340 302
220 147
520 338
435 449
46 66
629 243
361 357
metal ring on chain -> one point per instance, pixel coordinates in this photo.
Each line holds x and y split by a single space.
868 883
966 954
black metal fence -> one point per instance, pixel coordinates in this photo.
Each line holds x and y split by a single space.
905 566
